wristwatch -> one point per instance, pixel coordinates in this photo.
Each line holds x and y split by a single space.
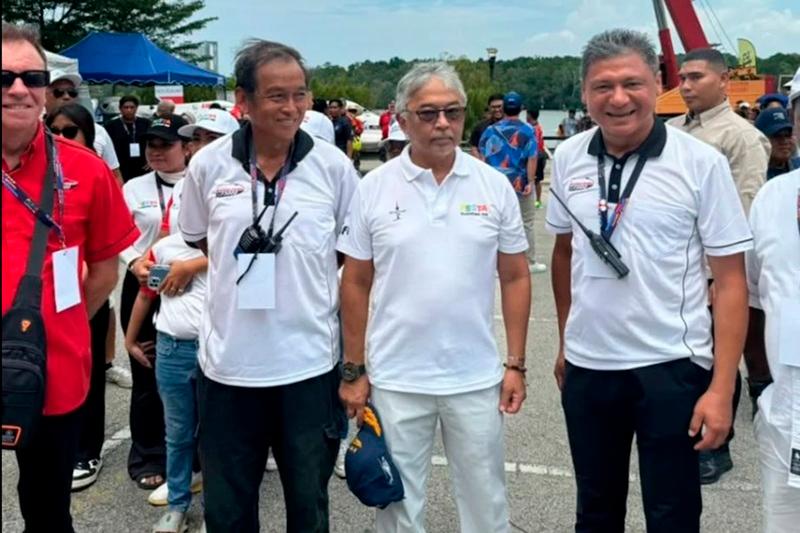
352 371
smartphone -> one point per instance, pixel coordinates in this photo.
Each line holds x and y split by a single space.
156 276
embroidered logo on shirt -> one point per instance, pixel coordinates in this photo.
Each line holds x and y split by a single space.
228 190
145 204
474 210
580 184
397 211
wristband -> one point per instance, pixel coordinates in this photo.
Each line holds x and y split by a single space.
519 368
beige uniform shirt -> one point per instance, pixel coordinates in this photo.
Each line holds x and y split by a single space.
746 148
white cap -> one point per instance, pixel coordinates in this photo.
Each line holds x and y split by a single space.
59 74
794 93
318 125
396 133
213 120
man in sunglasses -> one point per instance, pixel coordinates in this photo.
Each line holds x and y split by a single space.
62 90
428 230
88 224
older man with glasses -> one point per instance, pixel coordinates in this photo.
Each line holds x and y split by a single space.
424 236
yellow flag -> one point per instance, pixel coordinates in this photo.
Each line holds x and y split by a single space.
747 54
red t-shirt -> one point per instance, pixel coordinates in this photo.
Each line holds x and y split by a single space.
97 221
385 122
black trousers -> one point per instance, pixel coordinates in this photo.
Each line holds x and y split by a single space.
148 452
301 422
93 411
45 474
603 410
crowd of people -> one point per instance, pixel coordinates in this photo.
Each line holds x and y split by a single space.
271 292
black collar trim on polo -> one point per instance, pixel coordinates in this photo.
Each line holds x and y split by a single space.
652 146
242 140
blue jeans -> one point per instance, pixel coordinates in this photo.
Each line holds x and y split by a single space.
176 375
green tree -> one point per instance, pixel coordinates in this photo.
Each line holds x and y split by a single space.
62 23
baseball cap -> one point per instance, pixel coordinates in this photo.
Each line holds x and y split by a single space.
773 97
213 120
771 121
318 126
165 128
60 74
794 92
371 475
512 101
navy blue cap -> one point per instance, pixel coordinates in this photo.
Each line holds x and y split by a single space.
773 97
512 101
371 474
771 121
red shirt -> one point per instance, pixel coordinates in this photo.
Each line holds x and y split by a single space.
97 221
385 122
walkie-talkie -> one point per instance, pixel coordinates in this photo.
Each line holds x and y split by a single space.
604 249
274 242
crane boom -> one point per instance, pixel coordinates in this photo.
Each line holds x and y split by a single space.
688 25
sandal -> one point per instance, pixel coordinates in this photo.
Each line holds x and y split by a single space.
150 481
172 522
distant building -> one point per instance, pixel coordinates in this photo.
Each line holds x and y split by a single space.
210 50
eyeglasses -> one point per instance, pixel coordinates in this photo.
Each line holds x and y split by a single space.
30 78
70 132
58 93
452 114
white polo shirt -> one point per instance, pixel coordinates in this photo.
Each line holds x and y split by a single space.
773 276
104 147
180 315
683 206
434 248
299 339
143 199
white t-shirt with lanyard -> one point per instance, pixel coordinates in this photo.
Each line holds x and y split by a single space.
684 206
148 197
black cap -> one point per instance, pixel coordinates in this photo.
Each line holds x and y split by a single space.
165 128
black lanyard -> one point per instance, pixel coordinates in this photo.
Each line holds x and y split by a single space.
54 165
607 227
279 187
160 189
132 132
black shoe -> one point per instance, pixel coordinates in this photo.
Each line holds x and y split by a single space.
85 473
714 463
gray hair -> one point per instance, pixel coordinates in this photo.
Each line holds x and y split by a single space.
419 75
614 43
257 52
24 33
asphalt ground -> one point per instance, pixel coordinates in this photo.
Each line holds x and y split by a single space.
541 488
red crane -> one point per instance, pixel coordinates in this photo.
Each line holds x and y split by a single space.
689 30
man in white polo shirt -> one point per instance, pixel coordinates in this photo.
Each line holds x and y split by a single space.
424 236
635 349
773 268
270 335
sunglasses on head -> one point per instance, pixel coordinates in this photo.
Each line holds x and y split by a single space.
70 132
30 78
58 93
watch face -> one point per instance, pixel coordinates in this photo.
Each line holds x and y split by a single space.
350 372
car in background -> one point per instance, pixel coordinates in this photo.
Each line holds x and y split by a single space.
371 137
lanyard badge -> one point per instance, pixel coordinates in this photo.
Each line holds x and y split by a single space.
607 226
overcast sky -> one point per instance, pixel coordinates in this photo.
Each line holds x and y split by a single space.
346 31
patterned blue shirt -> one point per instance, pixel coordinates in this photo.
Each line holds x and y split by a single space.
507 145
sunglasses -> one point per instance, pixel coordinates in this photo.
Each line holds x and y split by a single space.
452 114
30 78
58 93
70 132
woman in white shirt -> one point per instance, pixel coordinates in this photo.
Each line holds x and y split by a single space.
150 199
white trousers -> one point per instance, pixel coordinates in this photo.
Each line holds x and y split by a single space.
781 501
472 432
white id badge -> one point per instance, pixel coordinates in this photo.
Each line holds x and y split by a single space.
794 457
66 279
789 333
594 267
135 150
256 290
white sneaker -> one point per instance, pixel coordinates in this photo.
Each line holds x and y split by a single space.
159 496
272 465
121 377
537 268
85 473
172 521
338 468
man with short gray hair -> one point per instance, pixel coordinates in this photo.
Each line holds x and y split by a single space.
424 236
635 343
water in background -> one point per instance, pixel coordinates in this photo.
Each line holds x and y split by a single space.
549 119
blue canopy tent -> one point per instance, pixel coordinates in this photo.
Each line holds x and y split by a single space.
132 58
